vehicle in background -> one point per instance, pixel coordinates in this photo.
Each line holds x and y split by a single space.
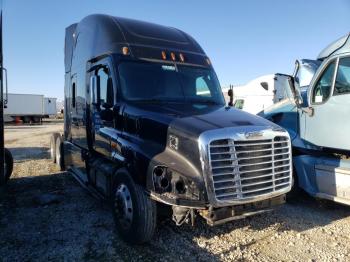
50 107
303 74
29 108
6 160
316 119
145 122
260 93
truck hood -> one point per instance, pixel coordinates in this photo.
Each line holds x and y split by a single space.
193 119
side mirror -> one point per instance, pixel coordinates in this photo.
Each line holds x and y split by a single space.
5 97
230 94
265 85
296 79
297 97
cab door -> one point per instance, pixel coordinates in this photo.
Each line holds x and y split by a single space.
101 107
329 99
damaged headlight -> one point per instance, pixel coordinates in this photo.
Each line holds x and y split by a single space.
173 184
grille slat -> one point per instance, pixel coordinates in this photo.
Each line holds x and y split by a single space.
249 168
223 159
224 174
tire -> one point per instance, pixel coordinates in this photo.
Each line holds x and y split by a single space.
26 119
59 153
8 163
135 214
294 193
8 166
53 139
36 119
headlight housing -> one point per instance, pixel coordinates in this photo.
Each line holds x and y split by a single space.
174 185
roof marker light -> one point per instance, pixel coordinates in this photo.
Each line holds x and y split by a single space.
182 58
208 61
125 50
163 55
173 57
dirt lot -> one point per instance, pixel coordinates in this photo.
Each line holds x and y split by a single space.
46 216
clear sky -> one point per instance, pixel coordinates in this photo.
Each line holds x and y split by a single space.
244 39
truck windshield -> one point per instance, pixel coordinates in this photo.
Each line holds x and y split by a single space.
158 82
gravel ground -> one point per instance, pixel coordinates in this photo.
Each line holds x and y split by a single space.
46 216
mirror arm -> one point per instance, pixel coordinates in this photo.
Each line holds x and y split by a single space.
308 110
230 94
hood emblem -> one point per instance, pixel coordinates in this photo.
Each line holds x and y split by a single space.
173 142
253 134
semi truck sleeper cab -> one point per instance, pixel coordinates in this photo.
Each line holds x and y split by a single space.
146 122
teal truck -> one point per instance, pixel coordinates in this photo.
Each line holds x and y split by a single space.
316 116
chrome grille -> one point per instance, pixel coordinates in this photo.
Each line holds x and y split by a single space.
249 168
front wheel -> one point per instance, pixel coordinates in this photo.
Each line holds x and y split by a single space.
135 214
59 153
53 139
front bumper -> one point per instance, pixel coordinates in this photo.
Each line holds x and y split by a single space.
217 216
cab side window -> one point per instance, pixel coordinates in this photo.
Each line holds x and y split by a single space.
342 81
103 80
323 87
105 96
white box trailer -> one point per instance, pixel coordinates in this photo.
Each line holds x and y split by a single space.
28 108
50 107
260 93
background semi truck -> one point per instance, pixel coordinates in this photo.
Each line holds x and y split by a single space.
29 107
316 118
146 126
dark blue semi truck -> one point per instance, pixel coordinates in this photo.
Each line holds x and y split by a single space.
146 126
6 160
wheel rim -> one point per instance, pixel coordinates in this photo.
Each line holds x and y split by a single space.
123 206
52 153
58 155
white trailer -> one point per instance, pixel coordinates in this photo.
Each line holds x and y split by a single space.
50 107
260 93
26 107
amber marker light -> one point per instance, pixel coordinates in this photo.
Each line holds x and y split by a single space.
182 58
172 55
125 50
114 145
163 55
208 61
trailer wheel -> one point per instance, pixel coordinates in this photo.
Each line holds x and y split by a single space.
36 119
135 214
53 146
26 119
59 153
